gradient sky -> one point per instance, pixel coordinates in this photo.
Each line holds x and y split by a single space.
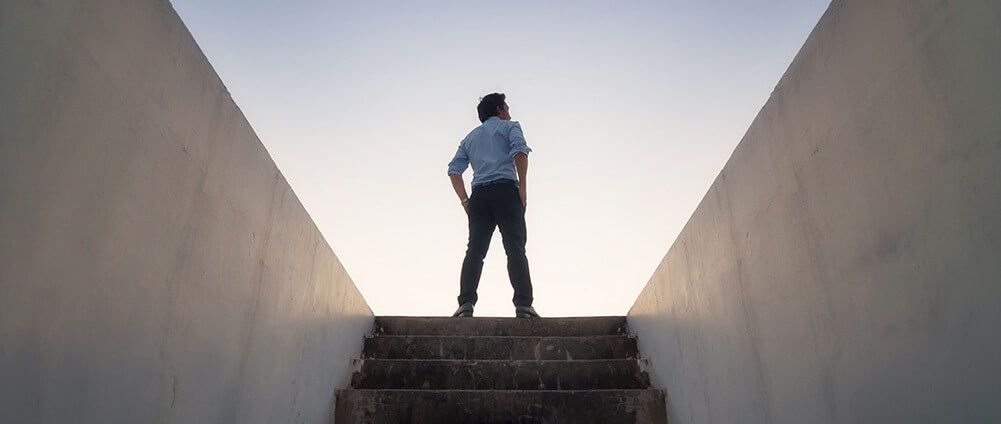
631 109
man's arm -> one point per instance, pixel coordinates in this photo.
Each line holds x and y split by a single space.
460 190
520 151
455 169
521 163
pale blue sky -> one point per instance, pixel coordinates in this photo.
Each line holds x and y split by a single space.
631 108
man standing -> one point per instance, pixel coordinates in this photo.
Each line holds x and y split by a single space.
499 156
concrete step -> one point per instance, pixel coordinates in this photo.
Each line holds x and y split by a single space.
499 374
509 406
515 348
442 326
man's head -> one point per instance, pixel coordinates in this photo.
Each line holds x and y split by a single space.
493 104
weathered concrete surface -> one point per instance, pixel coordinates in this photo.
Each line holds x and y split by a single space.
502 407
477 374
844 266
439 326
490 383
514 348
155 266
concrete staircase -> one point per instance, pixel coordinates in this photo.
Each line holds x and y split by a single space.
500 370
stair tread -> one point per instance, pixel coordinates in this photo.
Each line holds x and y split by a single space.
495 326
506 391
501 347
501 406
472 361
499 374
456 336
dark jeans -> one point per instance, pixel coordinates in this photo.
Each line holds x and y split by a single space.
496 205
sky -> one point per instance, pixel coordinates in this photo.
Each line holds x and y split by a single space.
631 109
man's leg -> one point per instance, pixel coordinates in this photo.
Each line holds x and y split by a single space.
481 229
510 215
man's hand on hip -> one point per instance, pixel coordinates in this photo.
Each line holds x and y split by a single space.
460 190
521 165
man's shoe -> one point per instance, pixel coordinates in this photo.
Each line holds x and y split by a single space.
525 312
466 310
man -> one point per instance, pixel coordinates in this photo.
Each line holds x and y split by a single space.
499 156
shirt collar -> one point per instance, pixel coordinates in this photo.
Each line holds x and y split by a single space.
491 118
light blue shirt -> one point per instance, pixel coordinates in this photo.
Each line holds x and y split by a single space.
490 148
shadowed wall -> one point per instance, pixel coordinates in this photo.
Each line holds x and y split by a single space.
844 265
155 266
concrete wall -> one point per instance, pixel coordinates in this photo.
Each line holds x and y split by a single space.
845 266
155 266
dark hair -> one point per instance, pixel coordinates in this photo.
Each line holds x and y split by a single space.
489 104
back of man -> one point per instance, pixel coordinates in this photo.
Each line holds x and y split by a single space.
498 154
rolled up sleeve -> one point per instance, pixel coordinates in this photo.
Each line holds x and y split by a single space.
459 163
517 139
